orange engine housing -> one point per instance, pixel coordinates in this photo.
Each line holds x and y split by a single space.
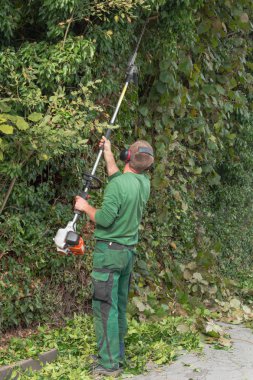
79 249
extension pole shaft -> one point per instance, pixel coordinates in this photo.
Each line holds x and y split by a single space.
131 72
108 132
107 135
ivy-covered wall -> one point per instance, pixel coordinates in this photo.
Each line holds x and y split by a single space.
62 65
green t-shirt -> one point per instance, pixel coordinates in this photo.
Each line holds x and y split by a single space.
120 215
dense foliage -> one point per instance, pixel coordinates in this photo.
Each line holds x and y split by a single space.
62 67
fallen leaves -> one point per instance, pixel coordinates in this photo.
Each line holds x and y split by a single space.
215 334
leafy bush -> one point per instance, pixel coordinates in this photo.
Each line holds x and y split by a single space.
62 67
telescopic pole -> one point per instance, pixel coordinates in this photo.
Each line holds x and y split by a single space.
131 76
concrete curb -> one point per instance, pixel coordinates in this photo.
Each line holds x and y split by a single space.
33 364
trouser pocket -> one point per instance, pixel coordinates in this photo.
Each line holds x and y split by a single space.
102 286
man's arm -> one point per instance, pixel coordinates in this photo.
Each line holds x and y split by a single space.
81 204
106 215
111 166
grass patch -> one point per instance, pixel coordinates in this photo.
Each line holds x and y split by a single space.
158 341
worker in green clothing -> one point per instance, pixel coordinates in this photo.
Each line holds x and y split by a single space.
117 223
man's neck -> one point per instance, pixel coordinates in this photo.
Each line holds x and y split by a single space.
127 169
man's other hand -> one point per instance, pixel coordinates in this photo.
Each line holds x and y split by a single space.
105 144
81 204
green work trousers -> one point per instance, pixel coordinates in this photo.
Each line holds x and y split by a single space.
110 278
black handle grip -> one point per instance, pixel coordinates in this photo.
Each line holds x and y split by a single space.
84 195
108 133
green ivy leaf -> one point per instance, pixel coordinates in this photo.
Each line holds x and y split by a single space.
164 76
214 179
186 65
143 110
204 26
161 87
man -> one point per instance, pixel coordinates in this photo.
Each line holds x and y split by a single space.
117 223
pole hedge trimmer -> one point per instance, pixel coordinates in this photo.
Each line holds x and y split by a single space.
67 240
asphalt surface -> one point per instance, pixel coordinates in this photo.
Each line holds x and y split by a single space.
212 364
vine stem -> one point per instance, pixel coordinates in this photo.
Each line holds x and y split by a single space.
67 29
13 181
8 194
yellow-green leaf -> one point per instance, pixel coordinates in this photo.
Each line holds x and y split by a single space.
4 107
2 119
35 116
198 170
21 124
7 129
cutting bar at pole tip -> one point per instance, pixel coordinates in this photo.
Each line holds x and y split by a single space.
133 58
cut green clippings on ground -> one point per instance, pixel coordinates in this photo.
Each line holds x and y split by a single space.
249 324
159 342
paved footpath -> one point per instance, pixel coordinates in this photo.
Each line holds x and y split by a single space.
235 364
